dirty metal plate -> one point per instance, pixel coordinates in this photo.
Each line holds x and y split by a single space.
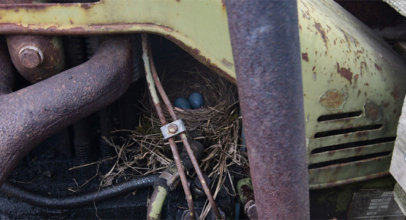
199 27
353 91
345 173
374 204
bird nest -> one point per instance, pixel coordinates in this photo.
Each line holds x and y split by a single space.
217 125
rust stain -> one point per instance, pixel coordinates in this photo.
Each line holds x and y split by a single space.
322 32
221 2
363 66
333 99
71 22
396 93
314 67
359 92
356 77
305 57
86 6
366 84
350 39
386 105
378 67
344 72
372 111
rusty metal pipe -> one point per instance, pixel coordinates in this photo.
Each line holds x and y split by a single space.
265 42
37 58
32 114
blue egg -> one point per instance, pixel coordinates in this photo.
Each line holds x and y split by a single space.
182 103
196 100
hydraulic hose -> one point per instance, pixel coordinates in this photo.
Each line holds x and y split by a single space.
169 180
156 203
74 201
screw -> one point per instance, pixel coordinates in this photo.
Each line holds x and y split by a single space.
31 56
172 128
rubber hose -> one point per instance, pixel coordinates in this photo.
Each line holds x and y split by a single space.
74 201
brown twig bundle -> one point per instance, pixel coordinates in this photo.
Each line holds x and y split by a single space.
217 123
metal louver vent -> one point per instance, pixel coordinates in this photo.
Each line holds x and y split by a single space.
358 151
353 87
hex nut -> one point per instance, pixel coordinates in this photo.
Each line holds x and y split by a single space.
31 56
172 128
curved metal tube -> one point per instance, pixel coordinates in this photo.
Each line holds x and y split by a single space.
265 41
74 201
32 114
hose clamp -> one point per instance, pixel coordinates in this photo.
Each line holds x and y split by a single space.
173 128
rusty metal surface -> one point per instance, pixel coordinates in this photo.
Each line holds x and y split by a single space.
199 27
347 68
338 53
33 65
349 172
267 57
32 114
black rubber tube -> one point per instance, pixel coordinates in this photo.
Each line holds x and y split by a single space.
74 201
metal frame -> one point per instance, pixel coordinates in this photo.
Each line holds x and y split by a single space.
199 27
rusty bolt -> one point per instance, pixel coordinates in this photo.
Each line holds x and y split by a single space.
172 128
31 56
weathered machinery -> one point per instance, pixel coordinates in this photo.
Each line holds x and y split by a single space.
320 94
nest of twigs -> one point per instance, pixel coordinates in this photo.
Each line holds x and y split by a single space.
217 124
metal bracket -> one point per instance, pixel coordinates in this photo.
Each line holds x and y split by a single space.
173 128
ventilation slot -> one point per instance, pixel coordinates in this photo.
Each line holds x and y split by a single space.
345 131
353 144
339 116
348 160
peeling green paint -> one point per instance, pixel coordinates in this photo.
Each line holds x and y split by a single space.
156 206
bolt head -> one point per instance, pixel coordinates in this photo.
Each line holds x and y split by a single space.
30 57
172 128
